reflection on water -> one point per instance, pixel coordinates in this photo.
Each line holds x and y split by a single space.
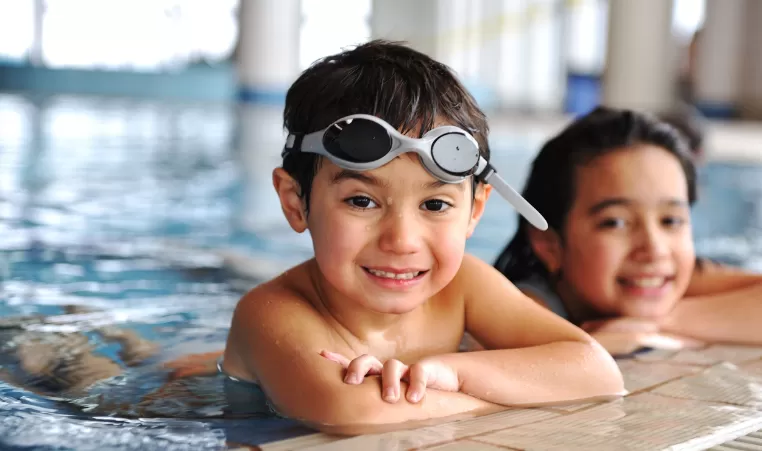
138 225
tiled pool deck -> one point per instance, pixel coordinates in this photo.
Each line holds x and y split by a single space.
688 400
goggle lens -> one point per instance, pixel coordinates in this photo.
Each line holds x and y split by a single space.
357 140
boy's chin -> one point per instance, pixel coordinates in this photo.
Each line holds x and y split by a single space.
398 306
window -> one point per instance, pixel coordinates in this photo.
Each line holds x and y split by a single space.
328 26
140 35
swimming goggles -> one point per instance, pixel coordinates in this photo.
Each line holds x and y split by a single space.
362 142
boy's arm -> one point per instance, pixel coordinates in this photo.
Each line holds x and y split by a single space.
721 305
534 356
279 337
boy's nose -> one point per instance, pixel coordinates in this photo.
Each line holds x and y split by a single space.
401 234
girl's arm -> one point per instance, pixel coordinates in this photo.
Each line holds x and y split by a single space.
722 304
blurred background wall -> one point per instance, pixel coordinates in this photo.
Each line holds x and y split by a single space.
516 55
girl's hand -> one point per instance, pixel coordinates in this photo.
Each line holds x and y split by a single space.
623 324
623 336
425 373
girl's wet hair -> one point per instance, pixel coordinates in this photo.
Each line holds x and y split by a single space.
552 180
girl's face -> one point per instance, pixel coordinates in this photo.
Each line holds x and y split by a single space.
627 248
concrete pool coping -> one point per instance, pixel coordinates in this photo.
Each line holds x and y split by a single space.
688 400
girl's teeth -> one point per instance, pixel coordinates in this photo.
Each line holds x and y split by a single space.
391 275
647 282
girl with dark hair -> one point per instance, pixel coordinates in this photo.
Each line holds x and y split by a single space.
618 260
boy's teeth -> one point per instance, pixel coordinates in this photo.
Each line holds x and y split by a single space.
647 282
391 275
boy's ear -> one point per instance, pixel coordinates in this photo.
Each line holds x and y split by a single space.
291 203
546 245
477 210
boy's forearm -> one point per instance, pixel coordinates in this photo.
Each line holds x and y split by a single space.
554 373
731 317
436 407
435 404
362 410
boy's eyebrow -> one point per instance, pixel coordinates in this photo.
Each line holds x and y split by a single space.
623 201
439 184
346 174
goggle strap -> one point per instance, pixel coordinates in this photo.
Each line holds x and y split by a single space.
293 143
483 170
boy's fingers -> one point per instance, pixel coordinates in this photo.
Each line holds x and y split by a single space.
362 366
418 379
391 374
336 357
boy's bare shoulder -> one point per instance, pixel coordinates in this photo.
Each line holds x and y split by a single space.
288 293
474 270
275 319
477 278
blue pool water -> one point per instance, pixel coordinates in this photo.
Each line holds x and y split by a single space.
155 218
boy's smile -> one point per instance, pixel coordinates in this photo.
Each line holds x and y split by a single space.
392 278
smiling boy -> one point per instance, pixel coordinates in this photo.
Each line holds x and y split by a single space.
386 165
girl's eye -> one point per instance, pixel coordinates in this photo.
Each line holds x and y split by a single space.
612 223
673 221
436 205
361 202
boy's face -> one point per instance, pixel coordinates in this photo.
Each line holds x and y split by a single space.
392 237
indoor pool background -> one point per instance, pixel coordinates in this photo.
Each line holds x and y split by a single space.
157 217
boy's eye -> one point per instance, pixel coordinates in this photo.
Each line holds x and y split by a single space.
612 223
362 202
436 205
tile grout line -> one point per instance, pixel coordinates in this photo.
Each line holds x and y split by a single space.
481 442
491 431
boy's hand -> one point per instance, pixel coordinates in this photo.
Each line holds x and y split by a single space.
623 336
426 373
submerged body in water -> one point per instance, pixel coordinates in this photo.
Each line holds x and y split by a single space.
68 367
56 362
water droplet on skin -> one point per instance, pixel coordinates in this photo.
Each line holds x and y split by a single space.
389 200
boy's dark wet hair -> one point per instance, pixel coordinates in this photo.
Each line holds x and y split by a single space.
551 183
389 80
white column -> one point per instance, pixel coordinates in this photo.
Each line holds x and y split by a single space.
585 38
415 22
546 71
719 58
640 70
450 31
268 50
512 62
